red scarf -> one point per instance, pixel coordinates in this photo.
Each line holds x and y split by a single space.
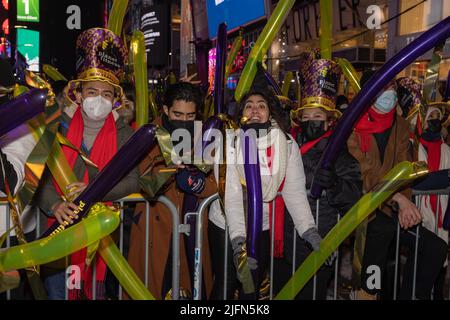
103 149
310 144
373 122
434 158
279 213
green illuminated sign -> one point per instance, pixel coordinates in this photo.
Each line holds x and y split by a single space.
28 10
28 46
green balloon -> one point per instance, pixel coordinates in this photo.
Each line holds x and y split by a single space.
63 243
262 45
400 175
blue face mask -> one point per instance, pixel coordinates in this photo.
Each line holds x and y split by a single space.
386 101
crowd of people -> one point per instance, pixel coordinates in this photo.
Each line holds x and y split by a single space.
98 117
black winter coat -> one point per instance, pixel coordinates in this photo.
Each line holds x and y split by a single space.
334 201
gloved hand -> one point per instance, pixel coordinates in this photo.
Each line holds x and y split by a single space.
238 245
190 180
313 237
326 178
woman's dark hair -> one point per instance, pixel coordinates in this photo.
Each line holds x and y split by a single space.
129 91
183 91
58 86
274 108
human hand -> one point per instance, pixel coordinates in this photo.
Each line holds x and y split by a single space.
64 212
408 214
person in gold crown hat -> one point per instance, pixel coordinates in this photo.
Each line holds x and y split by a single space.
92 125
341 183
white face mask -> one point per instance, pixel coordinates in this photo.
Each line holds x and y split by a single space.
97 108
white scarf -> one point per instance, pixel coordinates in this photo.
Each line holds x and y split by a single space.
429 219
271 178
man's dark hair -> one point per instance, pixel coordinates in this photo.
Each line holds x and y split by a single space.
129 91
58 86
183 91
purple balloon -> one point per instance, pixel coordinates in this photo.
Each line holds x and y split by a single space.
273 83
254 195
210 126
383 76
15 112
128 157
221 57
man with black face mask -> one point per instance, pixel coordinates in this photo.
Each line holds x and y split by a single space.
342 183
183 182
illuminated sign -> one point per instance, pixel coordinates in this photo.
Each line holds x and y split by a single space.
28 10
28 46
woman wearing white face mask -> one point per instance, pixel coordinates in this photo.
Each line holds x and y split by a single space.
380 141
92 126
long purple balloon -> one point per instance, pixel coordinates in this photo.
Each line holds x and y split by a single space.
383 76
221 58
209 127
273 83
128 157
254 195
21 109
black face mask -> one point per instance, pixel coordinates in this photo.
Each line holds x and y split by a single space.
260 128
312 129
172 125
434 125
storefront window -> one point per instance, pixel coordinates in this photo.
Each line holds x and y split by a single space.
422 17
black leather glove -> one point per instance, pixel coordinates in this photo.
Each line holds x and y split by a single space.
190 180
326 178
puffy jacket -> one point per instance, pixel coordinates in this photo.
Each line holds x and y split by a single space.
338 200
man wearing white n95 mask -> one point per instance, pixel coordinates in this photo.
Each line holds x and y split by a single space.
97 130
93 127
95 99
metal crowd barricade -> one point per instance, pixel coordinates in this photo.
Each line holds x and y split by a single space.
416 193
131 198
184 228
198 252
175 239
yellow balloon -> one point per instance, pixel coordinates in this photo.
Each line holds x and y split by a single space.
326 28
153 105
140 77
262 45
101 222
18 90
122 270
53 73
287 83
235 47
116 16
400 175
350 73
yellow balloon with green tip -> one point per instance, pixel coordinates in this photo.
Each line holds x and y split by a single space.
261 46
401 175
